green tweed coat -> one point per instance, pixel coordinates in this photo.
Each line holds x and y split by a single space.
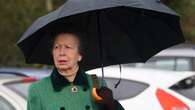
56 93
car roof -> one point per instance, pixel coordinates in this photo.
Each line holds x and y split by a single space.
10 73
178 51
27 71
160 78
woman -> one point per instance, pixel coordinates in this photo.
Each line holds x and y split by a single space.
68 87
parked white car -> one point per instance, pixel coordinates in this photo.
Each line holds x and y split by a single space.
150 89
175 59
13 91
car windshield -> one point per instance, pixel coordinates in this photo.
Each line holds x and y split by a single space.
168 63
126 89
20 88
185 87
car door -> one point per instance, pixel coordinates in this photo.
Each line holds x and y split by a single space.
7 101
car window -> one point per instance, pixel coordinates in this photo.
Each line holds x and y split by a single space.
5 105
126 88
20 88
167 63
186 87
183 64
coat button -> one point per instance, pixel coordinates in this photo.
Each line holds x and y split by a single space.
84 89
62 108
87 107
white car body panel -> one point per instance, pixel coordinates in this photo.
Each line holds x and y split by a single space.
150 76
180 52
13 98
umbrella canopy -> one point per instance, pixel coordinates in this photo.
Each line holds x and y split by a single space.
116 31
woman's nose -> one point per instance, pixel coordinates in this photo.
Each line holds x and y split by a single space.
62 52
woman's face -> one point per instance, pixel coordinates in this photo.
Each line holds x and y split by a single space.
66 51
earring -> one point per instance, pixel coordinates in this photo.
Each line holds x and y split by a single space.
79 59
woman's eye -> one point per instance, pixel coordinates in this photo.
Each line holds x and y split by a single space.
56 46
68 46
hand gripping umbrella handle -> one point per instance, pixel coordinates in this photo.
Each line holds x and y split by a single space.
95 86
95 95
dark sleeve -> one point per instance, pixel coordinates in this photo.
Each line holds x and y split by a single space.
117 105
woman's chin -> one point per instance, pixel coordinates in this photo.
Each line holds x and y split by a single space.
63 67
66 75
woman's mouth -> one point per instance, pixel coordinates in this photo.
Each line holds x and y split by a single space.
62 61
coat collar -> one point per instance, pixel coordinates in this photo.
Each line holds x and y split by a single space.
59 82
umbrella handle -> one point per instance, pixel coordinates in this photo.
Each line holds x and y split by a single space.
95 95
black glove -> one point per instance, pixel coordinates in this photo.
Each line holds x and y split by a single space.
107 98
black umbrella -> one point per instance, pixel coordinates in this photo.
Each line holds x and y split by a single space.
116 31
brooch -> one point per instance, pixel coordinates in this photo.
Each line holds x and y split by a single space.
74 89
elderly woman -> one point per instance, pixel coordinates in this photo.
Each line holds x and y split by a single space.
68 87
